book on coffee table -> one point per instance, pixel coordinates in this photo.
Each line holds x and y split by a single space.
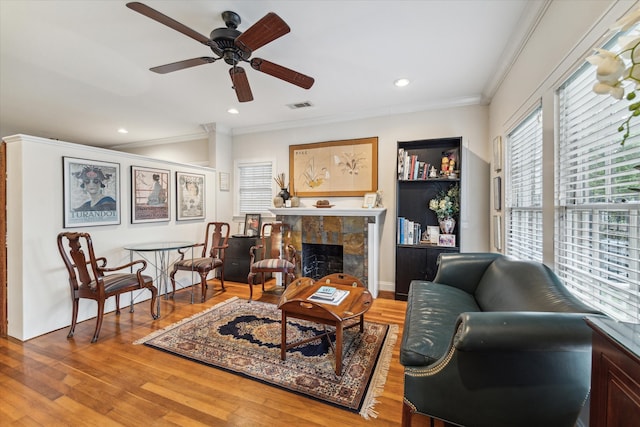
338 296
326 292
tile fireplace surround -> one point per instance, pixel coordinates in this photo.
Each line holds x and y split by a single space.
357 230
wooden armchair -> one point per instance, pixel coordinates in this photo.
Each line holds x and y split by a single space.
87 278
277 257
216 240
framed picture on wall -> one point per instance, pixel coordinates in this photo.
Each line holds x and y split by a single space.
91 192
497 193
497 153
334 168
150 196
190 193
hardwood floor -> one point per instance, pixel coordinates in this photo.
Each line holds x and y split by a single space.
52 380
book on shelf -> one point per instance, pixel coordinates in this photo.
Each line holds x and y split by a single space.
409 232
338 296
410 167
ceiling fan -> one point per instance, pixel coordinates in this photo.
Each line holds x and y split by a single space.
233 47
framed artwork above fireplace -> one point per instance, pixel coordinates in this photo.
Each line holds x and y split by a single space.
335 168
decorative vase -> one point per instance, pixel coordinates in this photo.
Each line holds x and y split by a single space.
278 202
295 201
447 225
284 193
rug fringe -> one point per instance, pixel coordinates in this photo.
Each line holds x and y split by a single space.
180 322
379 378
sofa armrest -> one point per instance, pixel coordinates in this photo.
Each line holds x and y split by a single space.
522 331
463 270
505 370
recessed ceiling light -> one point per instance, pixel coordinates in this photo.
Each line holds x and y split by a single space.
123 130
233 111
401 82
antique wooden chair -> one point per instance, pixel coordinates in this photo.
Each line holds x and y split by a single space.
88 280
276 257
216 240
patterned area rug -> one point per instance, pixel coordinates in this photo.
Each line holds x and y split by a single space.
244 338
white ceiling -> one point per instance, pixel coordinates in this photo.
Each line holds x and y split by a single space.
79 70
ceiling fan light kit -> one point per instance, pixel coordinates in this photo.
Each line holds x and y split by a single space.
232 46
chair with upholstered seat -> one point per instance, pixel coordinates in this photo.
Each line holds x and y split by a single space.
276 255
216 240
87 278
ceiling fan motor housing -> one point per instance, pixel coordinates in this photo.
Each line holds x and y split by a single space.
224 45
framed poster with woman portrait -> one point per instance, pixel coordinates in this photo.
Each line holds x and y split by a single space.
149 195
91 192
191 196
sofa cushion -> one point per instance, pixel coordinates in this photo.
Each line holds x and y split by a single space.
432 312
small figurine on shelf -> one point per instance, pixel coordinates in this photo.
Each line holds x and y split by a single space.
433 173
444 166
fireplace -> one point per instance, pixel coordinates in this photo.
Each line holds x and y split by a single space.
356 231
321 260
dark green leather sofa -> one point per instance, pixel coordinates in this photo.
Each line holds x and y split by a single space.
495 342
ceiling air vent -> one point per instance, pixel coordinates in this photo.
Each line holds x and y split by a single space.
297 105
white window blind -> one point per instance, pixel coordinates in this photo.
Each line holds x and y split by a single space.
597 224
523 189
255 188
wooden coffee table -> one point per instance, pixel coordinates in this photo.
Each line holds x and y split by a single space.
294 303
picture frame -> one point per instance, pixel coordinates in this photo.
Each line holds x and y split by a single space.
190 196
335 168
370 200
497 232
497 153
497 193
150 195
225 180
448 240
91 192
252 223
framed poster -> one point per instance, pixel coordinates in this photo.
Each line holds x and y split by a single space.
497 193
497 232
91 192
252 225
190 192
497 153
335 168
149 195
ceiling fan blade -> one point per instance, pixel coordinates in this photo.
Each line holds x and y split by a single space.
282 73
181 65
241 84
169 22
266 30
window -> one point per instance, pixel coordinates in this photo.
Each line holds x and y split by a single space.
254 186
523 189
597 240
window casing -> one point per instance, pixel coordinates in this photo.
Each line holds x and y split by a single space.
523 189
597 223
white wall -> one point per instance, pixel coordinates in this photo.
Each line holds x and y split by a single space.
38 289
469 122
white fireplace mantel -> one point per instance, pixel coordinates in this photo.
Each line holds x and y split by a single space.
375 212
374 233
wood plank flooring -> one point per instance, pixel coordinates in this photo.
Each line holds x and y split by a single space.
52 380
